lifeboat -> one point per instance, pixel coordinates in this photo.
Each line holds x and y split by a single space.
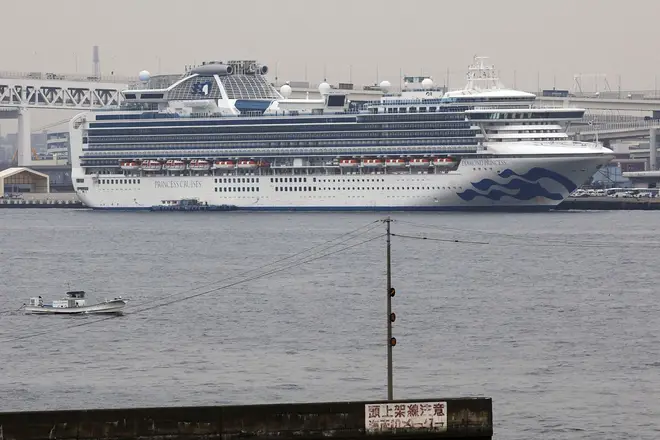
129 165
372 163
151 165
395 162
419 162
444 162
174 165
348 163
199 165
224 165
247 164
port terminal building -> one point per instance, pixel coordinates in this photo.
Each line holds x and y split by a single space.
23 180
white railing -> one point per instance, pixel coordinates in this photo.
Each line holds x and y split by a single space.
616 126
94 154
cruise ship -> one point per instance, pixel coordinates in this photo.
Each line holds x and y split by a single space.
221 134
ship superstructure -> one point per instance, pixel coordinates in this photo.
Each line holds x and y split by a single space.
221 134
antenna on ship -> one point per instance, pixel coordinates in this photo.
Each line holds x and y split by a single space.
479 73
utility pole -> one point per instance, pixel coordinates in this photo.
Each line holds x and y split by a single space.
391 341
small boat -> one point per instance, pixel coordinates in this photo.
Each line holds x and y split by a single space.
151 165
174 165
395 162
190 205
130 166
348 163
444 162
224 165
247 164
372 163
199 165
419 162
74 304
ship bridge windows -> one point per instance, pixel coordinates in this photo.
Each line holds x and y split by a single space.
552 115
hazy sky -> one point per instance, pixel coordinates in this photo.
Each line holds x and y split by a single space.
551 38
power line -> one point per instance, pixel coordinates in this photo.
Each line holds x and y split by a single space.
536 240
447 240
226 286
347 237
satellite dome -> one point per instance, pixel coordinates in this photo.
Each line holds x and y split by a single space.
324 88
385 85
144 75
427 83
285 90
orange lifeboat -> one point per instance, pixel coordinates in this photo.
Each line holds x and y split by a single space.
444 162
247 164
224 165
199 165
348 163
372 163
174 165
395 162
129 165
151 165
419 162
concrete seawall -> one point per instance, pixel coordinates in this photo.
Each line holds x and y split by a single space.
50 200
609 203
71 201
447 418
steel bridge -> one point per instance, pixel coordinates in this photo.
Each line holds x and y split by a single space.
21 91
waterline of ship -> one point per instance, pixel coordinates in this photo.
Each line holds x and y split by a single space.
222 135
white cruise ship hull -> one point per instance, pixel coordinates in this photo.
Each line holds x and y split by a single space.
531 183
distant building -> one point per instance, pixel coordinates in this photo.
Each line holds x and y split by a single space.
57 145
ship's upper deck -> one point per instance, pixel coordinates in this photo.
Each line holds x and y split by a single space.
240 88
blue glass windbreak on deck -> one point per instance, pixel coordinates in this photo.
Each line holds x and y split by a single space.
248 105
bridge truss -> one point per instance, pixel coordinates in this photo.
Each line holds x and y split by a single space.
23 91
59 94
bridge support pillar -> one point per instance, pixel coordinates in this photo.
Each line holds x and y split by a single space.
24 138
653 149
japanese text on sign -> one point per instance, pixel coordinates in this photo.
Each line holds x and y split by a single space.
390 416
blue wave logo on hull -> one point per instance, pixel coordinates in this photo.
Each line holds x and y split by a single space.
526 184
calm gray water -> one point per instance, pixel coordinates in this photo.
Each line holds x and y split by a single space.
556 318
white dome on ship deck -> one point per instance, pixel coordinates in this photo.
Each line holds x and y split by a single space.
286 90
144 75
324 88
427 83
385 85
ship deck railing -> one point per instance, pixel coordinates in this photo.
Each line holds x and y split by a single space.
315 151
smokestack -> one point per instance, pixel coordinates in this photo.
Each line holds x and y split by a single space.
96 62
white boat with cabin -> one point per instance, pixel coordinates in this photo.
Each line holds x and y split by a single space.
74 304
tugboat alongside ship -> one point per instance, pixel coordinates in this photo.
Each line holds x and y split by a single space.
190 205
